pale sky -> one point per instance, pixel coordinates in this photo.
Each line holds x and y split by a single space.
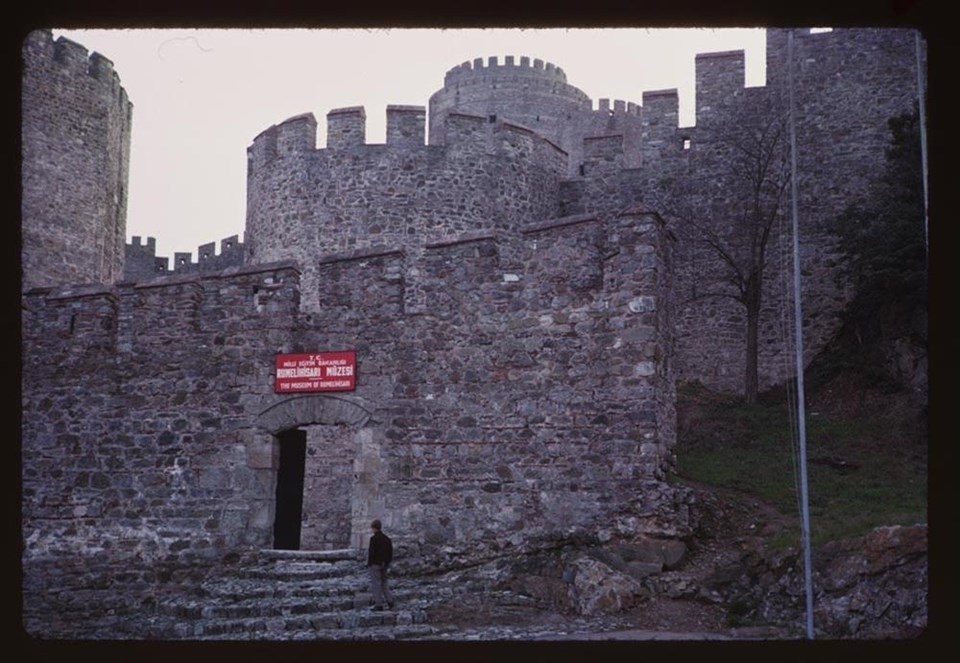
201 96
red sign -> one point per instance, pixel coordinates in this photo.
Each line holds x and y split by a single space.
321 371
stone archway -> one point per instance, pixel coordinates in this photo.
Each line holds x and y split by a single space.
329 498
312 409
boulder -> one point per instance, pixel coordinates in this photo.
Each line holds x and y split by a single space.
598 589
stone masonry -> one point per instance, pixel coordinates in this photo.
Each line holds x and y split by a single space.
75 132
512 142
521 408
520 314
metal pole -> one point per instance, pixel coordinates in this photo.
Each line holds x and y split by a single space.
798 324
923 143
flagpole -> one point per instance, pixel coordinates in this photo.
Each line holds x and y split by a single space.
921 110
798 324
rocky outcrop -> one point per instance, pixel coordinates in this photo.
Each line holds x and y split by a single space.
873 586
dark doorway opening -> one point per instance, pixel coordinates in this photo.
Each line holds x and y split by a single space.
289 512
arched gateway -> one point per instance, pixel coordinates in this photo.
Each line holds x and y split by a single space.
321 499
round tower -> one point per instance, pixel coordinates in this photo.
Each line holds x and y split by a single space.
534 94
305 202
75 153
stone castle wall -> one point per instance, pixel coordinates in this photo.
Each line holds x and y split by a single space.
135 403
848 83
75 133
524 405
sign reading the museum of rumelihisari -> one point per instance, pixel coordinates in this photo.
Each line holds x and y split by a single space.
320 371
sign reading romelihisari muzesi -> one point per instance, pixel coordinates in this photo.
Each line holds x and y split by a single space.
316 371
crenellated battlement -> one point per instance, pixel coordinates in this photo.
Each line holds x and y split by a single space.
512 142
406 125
406 132
529 85
173 313
142 263
208 259
74 58
488 174
619 107
531 91
184 304
525 67
484 113
148 244
720 79
661 108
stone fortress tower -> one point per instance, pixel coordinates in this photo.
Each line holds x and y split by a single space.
75 154
535 95
304 202
504 141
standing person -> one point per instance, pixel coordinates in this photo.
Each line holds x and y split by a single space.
379 556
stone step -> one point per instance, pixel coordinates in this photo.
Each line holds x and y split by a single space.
239 589
301 571
340 624
406 632
316 555
250 588
278 600
227 606
257 608
256 581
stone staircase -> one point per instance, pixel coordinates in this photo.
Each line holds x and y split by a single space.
297 595
323 595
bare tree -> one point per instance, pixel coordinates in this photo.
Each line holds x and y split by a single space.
726 207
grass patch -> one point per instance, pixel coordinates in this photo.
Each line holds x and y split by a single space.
863 472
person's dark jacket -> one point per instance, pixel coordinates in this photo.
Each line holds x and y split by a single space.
381 550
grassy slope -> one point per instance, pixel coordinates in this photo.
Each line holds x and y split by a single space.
866 455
